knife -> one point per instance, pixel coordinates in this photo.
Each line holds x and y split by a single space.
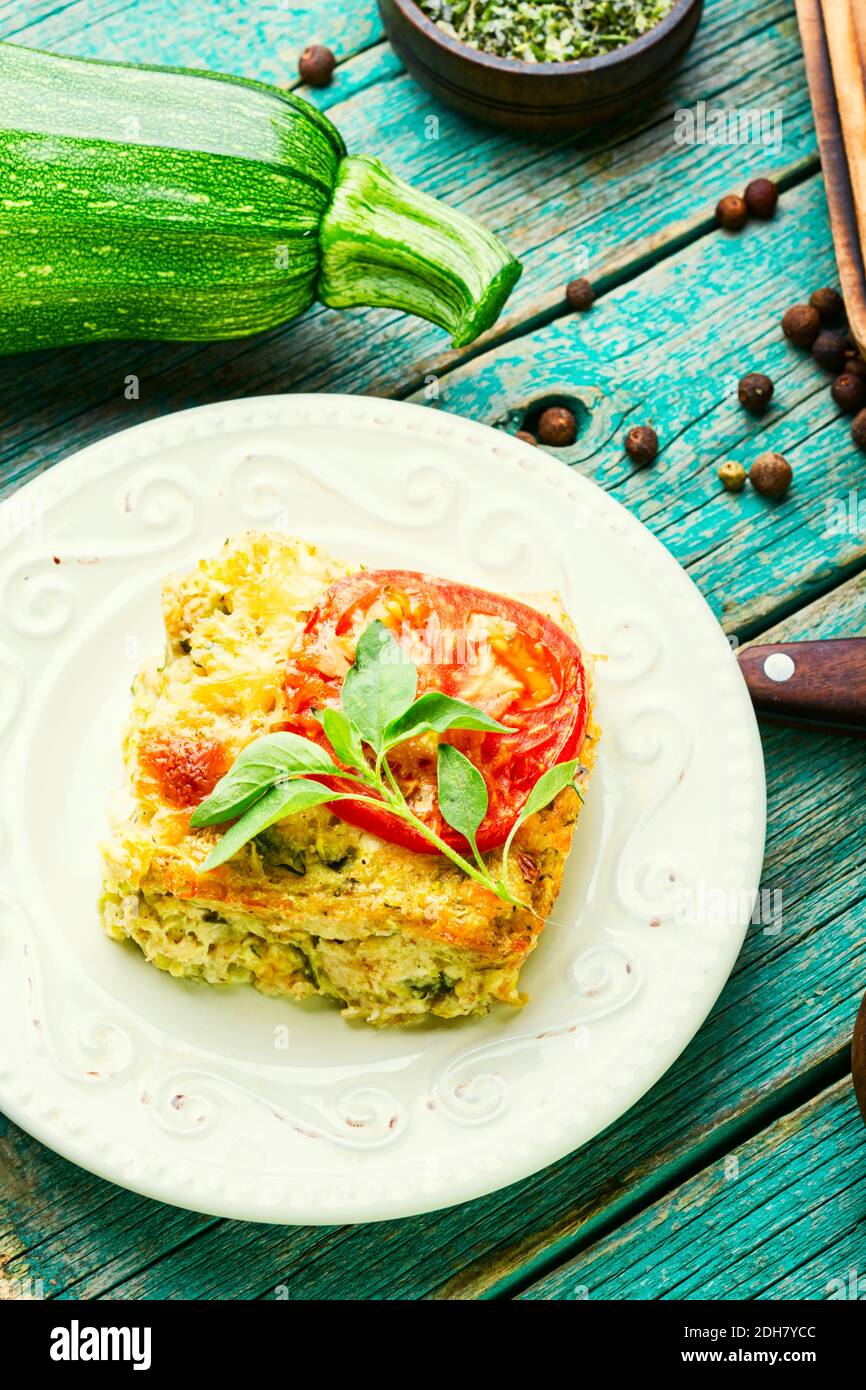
810 685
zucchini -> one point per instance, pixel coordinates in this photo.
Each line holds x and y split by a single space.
165 203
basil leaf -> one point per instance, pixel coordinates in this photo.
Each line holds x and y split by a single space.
344 738
380 685
462 791
256 768
434 712
549 785
284 799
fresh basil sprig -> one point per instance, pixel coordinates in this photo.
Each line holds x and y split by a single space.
548 786
380 686
278 775
262 763
281 799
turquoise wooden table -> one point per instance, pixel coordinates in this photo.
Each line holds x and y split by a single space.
743 1172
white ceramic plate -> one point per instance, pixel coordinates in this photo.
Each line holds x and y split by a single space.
234 1104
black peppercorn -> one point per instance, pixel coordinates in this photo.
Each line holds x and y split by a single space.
579 295
761 198
829 303
754 392
801 323
731 212
641 445
849 393
858 429
771 475
557 426
828 350
316 65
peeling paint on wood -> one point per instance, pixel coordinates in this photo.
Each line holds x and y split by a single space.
780 1217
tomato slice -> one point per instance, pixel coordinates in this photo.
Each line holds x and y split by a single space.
517 665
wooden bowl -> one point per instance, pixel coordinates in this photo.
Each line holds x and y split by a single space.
538 96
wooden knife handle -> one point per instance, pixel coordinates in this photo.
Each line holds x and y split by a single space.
809 684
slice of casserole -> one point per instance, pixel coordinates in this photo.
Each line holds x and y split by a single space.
313 905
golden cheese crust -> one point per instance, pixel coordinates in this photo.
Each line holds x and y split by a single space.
312 905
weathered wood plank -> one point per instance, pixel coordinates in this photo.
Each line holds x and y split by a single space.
261 40
781 1217
788 1007
667 349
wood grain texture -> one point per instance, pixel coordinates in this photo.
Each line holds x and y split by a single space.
262 40
667 349
841 38
858 1057
782 1216
837 174
788 1009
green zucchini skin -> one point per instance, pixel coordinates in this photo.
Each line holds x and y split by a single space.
164 203
146 203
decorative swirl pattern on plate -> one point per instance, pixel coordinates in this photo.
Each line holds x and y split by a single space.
507 543
38 593
649 884
85 1048
259 486
11 691
98 1050
183 1105
37 604
606 979
164 502
631 650
192 1102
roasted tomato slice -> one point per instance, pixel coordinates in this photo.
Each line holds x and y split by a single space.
498 654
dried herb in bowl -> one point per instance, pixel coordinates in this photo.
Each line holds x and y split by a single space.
546 32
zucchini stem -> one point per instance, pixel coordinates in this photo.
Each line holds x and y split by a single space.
384 243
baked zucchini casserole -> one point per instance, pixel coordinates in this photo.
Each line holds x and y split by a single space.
413 880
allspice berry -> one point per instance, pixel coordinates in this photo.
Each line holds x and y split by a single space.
828 350
641 445
579 295
316 65
854 364
754 392
849 392
858 430
771 475
761 198
557 426
733 475
802 324
829 303
526 436
731 212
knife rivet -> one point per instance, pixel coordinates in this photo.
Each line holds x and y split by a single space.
779 666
